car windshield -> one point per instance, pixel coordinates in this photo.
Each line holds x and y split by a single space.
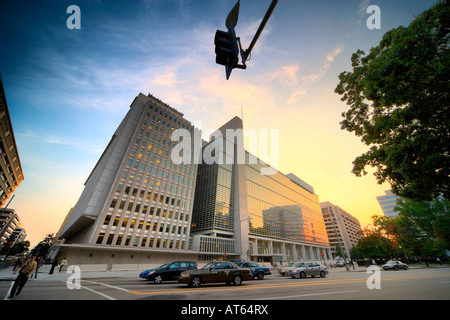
392 262
163 266
290 264
209 265
299 265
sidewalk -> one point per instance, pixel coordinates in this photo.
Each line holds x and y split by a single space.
7 275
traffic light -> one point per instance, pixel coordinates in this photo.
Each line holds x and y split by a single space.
227 50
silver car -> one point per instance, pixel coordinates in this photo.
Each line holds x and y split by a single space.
302 270
284 270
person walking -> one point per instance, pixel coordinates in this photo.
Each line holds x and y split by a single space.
24 273
17 265
40 262
63 263
54 264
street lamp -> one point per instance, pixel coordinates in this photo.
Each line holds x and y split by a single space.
339 240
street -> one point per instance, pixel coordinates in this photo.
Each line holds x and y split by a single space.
413 284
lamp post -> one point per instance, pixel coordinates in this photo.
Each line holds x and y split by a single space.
339 240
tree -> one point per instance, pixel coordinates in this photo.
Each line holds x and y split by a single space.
425 226
399 105
43 247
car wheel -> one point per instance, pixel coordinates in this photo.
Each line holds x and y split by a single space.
302 275
237 280
195 282
158 280
322 274
395 268
406 268
260 275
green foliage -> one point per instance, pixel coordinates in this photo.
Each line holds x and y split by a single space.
43 247
399 105
422 229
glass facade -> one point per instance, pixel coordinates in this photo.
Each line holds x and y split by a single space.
214 198
280 209
285 220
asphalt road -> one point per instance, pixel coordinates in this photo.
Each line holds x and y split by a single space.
413 284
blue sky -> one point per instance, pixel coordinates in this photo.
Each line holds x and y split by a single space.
68 90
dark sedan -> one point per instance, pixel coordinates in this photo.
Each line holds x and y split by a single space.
213 272
170 271
394 265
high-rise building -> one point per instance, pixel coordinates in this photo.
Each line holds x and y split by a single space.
10 227
136 203
243 213
343 229
146 202
388 202
10 167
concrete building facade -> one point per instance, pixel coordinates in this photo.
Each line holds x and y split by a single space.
342 228
137 203
11 172
388 202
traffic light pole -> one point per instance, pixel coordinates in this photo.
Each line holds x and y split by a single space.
228 46
245 54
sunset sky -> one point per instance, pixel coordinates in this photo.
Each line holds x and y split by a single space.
68 90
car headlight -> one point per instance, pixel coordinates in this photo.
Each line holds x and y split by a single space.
151 272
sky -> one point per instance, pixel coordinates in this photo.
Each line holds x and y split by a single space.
68 89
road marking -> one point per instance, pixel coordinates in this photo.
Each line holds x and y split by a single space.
306 295
99 293
9 291
280 285
108 285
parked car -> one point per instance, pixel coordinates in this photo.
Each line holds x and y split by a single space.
213 272
302 270
257 271
284 270
340 263
394 265
170 271
144 274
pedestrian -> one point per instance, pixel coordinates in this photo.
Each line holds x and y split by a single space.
62 264
17 265
40 262
54 264
439 260
24 273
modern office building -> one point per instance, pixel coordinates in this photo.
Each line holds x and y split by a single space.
10 167
343 229
388 202
136 204
145 202
242 213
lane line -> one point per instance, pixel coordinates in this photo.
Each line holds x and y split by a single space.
280 285
107 285
94 291
9 291
99 293
306 295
